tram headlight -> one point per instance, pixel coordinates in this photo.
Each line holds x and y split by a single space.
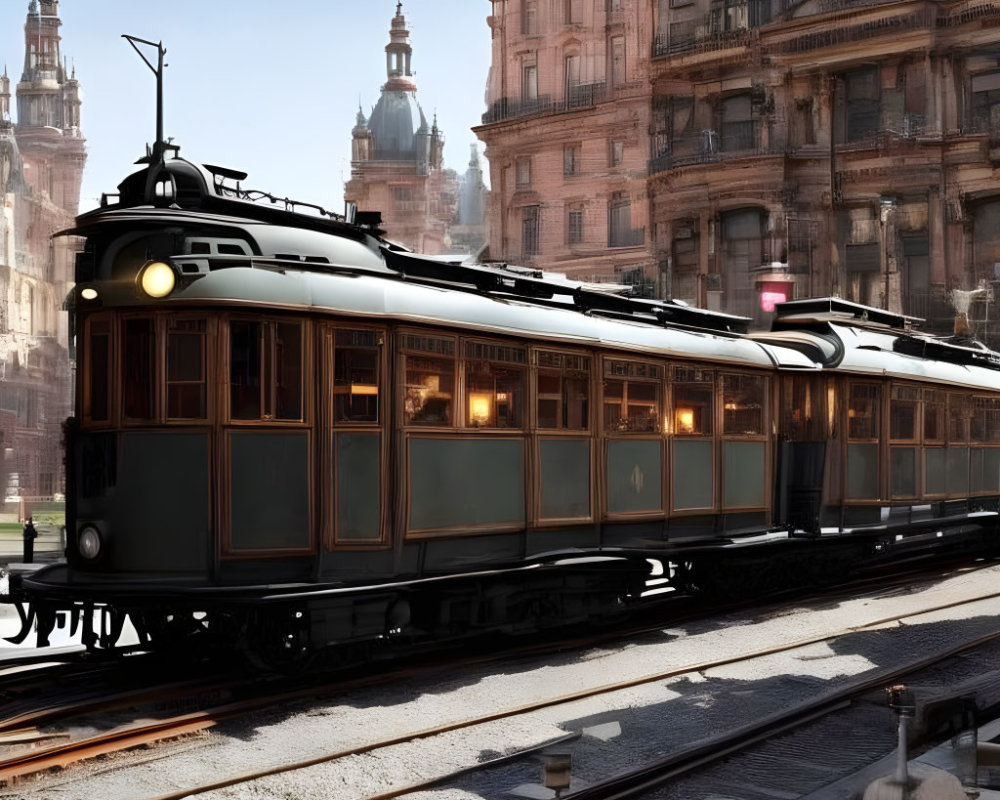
157 279
88 542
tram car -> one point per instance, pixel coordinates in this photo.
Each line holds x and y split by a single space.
291 433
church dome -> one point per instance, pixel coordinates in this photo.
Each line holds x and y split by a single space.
394 123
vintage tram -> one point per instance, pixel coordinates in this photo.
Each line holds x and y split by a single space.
291 433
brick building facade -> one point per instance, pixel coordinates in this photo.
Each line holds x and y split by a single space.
42 157
778 149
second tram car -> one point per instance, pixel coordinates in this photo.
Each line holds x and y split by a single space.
290 433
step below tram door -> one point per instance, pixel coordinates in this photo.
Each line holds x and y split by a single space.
803 436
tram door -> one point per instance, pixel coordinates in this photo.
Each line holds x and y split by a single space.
803 434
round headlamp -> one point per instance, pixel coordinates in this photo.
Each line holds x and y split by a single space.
88 542
157 279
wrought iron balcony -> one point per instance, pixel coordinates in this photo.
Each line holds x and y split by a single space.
737 140
581 95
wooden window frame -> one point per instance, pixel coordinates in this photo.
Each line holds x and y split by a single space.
538 433
914 442
656 381
403 353
86 420
764 437
307 380
703 375
329 428
464 359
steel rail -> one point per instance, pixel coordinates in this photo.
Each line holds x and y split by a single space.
559 700
127 737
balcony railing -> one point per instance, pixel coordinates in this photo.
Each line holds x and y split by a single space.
631 237
580 96
740 139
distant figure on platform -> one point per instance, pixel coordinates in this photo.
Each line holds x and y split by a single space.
30 534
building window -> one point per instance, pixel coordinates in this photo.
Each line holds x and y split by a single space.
616 5
617 61
574 224
571 159
400 196
529 83
529 17
523 169
735 15
616 153
986 102
738 125
861 89
574 11
742 251
572 78
529 230
620 233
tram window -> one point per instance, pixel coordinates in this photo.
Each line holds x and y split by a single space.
978 419
903 414
98 409
693 401
959 411
245 345
993 420
265 370
186 393
429 389
631 396
355 376
494 385
742 405
288 370
863 411
934 408
138 369
803 408
563 391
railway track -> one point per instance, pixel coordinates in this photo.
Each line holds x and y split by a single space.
454 729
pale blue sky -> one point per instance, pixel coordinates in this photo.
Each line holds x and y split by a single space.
265 86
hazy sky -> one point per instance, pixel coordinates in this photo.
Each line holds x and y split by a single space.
270 87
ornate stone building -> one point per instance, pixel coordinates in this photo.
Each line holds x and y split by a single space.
567 137
397 164
42 157
771 149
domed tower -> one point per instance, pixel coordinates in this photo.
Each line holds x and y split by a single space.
4 97
48 112
361 139
42 157
396 157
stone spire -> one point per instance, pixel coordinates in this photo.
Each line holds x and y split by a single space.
398 54
39 100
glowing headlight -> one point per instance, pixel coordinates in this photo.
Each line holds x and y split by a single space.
157 279
89 294
88 542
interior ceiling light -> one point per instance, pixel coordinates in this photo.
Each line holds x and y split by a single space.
157 279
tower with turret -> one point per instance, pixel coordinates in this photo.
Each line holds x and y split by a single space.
42 156
397 158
